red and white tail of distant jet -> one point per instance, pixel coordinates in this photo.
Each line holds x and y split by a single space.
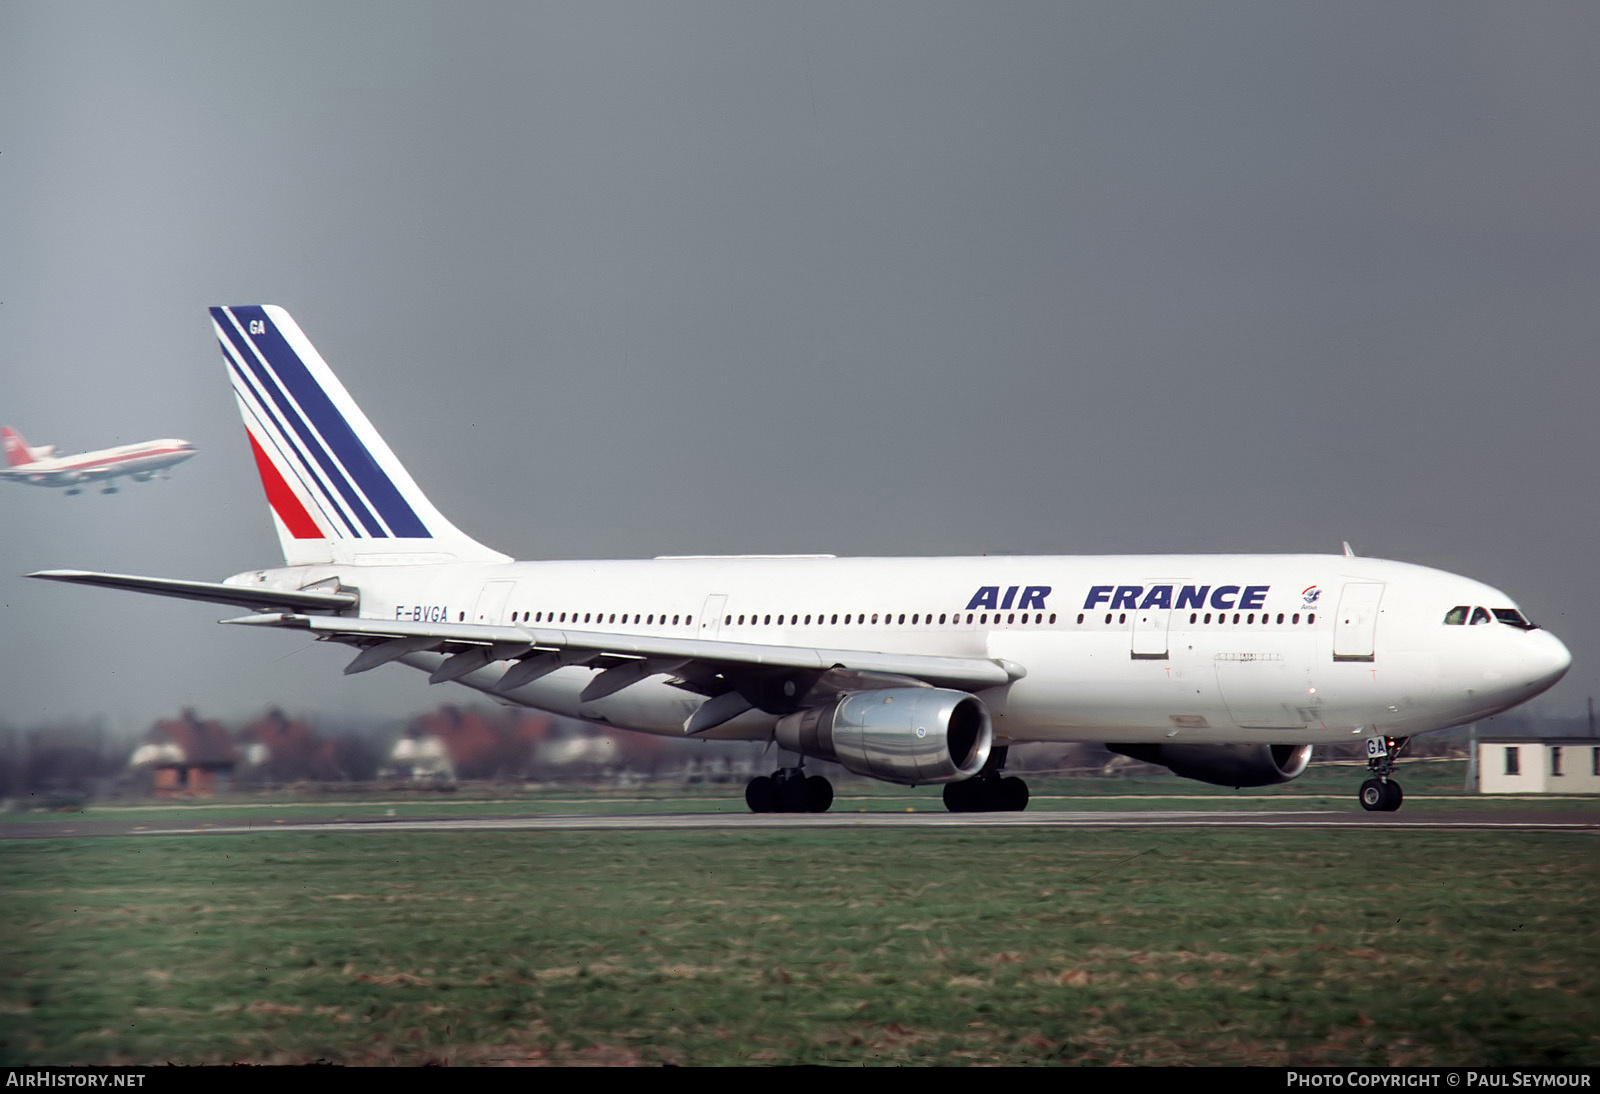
42 467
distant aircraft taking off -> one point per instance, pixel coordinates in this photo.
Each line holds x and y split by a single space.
42 467
917 671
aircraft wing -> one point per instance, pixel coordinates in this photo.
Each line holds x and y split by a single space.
240 596
730 673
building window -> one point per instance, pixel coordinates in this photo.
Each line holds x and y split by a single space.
1555 760
1513 764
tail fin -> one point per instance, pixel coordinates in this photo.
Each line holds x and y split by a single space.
17 450
337 492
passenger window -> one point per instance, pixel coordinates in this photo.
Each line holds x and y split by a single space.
1479 617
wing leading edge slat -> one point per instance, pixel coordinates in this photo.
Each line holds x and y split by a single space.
965 672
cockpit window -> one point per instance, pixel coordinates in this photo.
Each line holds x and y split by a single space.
1479 616
1456 616
1514 618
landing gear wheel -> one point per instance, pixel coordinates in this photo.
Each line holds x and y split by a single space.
986 794
761 795
1012 796
794 795
819 791
1373 795
1381 795
1394 796
959 797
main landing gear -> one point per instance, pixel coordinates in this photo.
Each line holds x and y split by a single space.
1380 793
788 790
988 791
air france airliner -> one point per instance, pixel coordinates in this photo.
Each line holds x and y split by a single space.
40 466
1224 668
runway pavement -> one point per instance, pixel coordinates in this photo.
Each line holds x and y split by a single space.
1530 821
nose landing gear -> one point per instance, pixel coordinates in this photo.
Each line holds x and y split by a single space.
1380 793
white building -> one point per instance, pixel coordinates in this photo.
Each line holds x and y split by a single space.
1539 765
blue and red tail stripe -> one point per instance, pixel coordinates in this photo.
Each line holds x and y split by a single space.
278 443
281 497
301 411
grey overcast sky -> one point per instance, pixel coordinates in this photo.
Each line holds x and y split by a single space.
626 279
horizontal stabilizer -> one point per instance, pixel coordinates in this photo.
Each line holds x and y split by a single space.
209 591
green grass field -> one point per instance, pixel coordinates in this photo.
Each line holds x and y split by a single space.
837 947
1429 784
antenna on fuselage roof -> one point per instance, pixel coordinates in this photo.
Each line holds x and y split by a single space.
1349 551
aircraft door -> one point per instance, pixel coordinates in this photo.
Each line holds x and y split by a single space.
492 602
711 616
1150 633
1262 690
1355 627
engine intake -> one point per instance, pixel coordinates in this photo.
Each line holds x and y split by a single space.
1225 765
911 736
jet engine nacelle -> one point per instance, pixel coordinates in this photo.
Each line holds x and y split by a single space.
910 736
1226 765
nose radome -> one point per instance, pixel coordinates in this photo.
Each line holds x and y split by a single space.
1551 659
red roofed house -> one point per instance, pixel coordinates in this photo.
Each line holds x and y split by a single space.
186 756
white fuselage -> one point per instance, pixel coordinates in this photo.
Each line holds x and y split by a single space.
140 461
1281 649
